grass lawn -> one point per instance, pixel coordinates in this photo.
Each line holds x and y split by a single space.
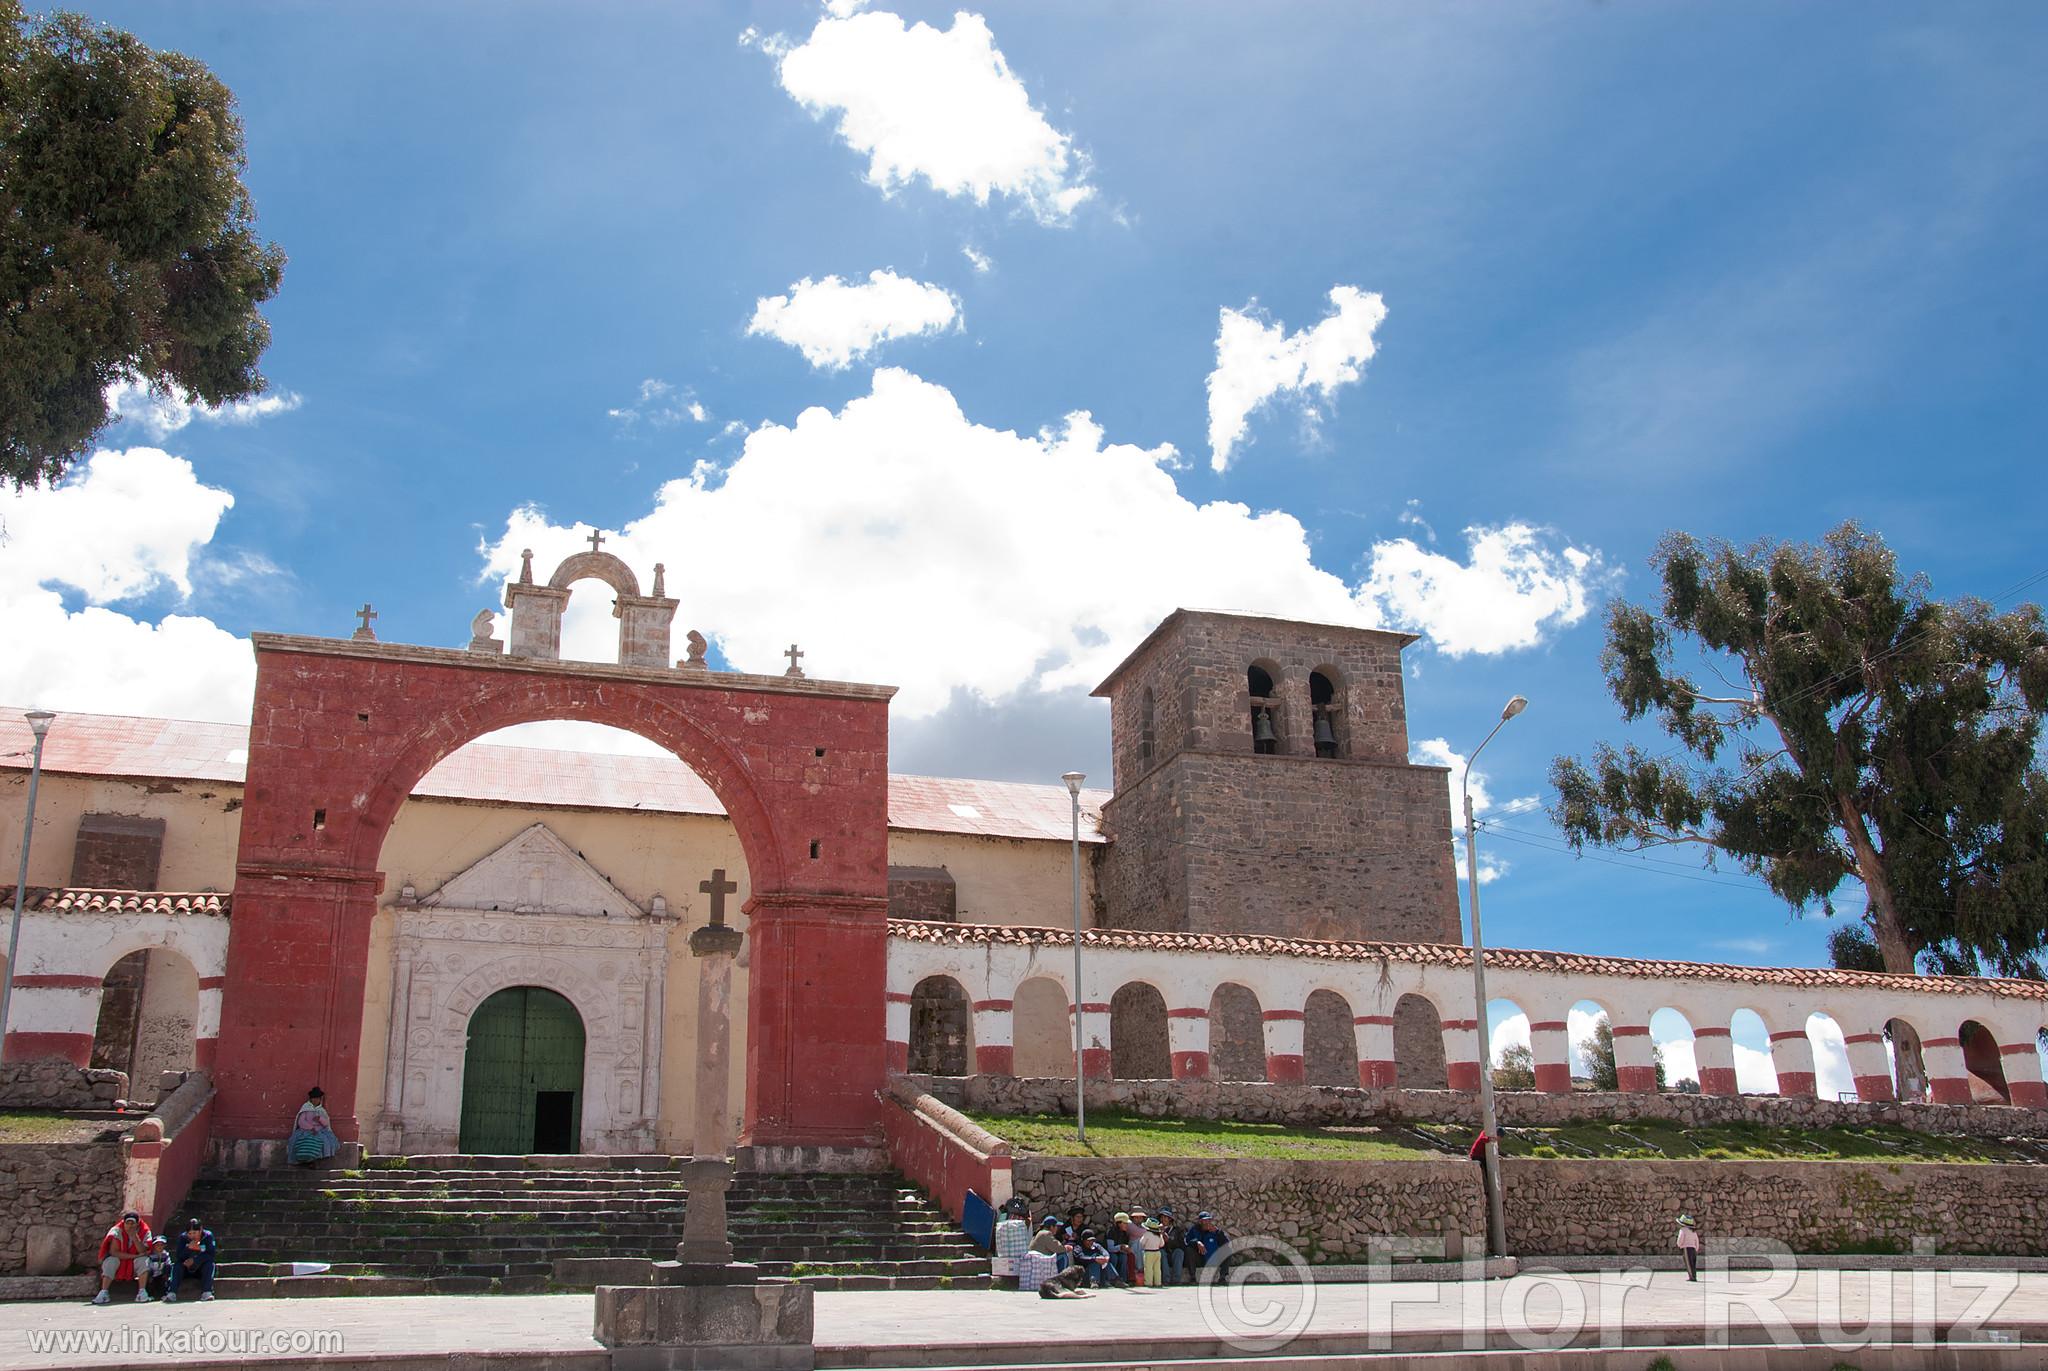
1129 1135
45 1126
1112 1134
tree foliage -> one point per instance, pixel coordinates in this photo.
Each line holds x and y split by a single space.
1860 731
1516 1069
127 240
1597 1048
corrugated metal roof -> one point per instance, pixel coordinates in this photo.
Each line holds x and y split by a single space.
491 773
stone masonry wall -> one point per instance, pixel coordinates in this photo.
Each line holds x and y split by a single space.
1631 1208
56 1200
117 852
1260 1102
1328 1211
53 1083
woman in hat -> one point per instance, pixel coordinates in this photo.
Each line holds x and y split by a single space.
1689 1244
312 1138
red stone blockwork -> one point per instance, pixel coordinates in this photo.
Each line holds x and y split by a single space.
341 733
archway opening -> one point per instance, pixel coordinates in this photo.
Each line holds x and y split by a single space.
1984 1063
1673 1041
1326 708
1138 1049
1833 1077
1909 1063
1329 1040
148 1019
1419 1062
1755 1072
1510 1050
941 1028
1237 1035
1590 1033
1260 678
522 1074
1041 1031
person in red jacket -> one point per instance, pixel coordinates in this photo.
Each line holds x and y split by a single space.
122 1252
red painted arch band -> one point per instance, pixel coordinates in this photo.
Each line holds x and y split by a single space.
1187 1013
1631 1030
1459 1025
1710 1033
1941 1042
1789 1035
1548 1026
57 982
896 997
1383 1020
990 1006
1871 1038
1092 1007
212 982
1271 1014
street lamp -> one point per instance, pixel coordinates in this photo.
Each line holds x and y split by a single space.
1073 780
39 724
1495 1210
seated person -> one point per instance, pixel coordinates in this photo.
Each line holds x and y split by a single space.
1092 1257
125 1247
1204 1239
192 1261
1175 1250
1053 1282
312 1138
156 1274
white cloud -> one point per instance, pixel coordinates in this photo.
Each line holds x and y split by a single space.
660 405
1439 752
900 542
941 104
161 414
978 260
833 322
1509 1030
1257 361
1832 1076
122 525
1672 1034
1578 1028
1514 586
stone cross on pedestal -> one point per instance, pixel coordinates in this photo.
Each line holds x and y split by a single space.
793 654
365 634
596 540
708 1175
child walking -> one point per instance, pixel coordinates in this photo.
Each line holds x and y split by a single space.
1689 1244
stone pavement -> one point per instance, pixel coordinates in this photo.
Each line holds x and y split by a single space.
892 1328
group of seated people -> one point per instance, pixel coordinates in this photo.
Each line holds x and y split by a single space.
1135 1248
160 1267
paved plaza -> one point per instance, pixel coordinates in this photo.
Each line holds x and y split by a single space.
885 1328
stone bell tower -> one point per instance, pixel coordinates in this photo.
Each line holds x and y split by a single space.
1263 786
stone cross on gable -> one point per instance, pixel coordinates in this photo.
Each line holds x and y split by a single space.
365 614
793 654
718 888
596 540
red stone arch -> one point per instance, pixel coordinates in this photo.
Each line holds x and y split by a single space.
340 734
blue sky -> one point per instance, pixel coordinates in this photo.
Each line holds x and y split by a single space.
1746 270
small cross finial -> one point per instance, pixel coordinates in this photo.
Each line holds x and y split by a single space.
526 566
596 540
365 633
718 888
793 654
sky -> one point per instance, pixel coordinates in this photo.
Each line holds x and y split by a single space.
961 347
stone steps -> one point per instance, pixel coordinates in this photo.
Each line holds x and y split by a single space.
487 1225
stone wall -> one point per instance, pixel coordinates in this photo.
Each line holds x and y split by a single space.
1260 1102
1329 1211
117 852
53 1083
1631 1208
923 892
56 1200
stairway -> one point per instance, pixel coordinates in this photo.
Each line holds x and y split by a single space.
480 1225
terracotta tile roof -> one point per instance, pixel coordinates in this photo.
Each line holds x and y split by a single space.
67 900
491 773
1454 954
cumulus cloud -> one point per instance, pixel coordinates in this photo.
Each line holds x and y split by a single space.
1514 586
833 322
1258 362
899 541
1510 1028
1439 752
659 405
160 414
123 525
941 104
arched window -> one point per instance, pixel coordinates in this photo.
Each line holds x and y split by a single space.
941 1028
1265 710
1326 704
1138 1048
1145 727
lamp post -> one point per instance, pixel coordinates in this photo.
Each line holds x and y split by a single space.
39 724
1495 1210
1073 780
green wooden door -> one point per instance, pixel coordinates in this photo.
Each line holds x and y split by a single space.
523 1042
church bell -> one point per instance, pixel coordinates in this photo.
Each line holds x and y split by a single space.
1262 726
1326 737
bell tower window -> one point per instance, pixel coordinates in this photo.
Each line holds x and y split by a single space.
1265 710
1327 705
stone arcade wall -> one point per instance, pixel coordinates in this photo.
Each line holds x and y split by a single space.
1261 1102
56 1200
1329 1211
1630 1208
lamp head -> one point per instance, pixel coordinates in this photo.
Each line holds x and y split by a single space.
1073 780
39 721
1515 706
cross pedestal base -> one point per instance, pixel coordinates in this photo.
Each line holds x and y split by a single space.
763 1325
